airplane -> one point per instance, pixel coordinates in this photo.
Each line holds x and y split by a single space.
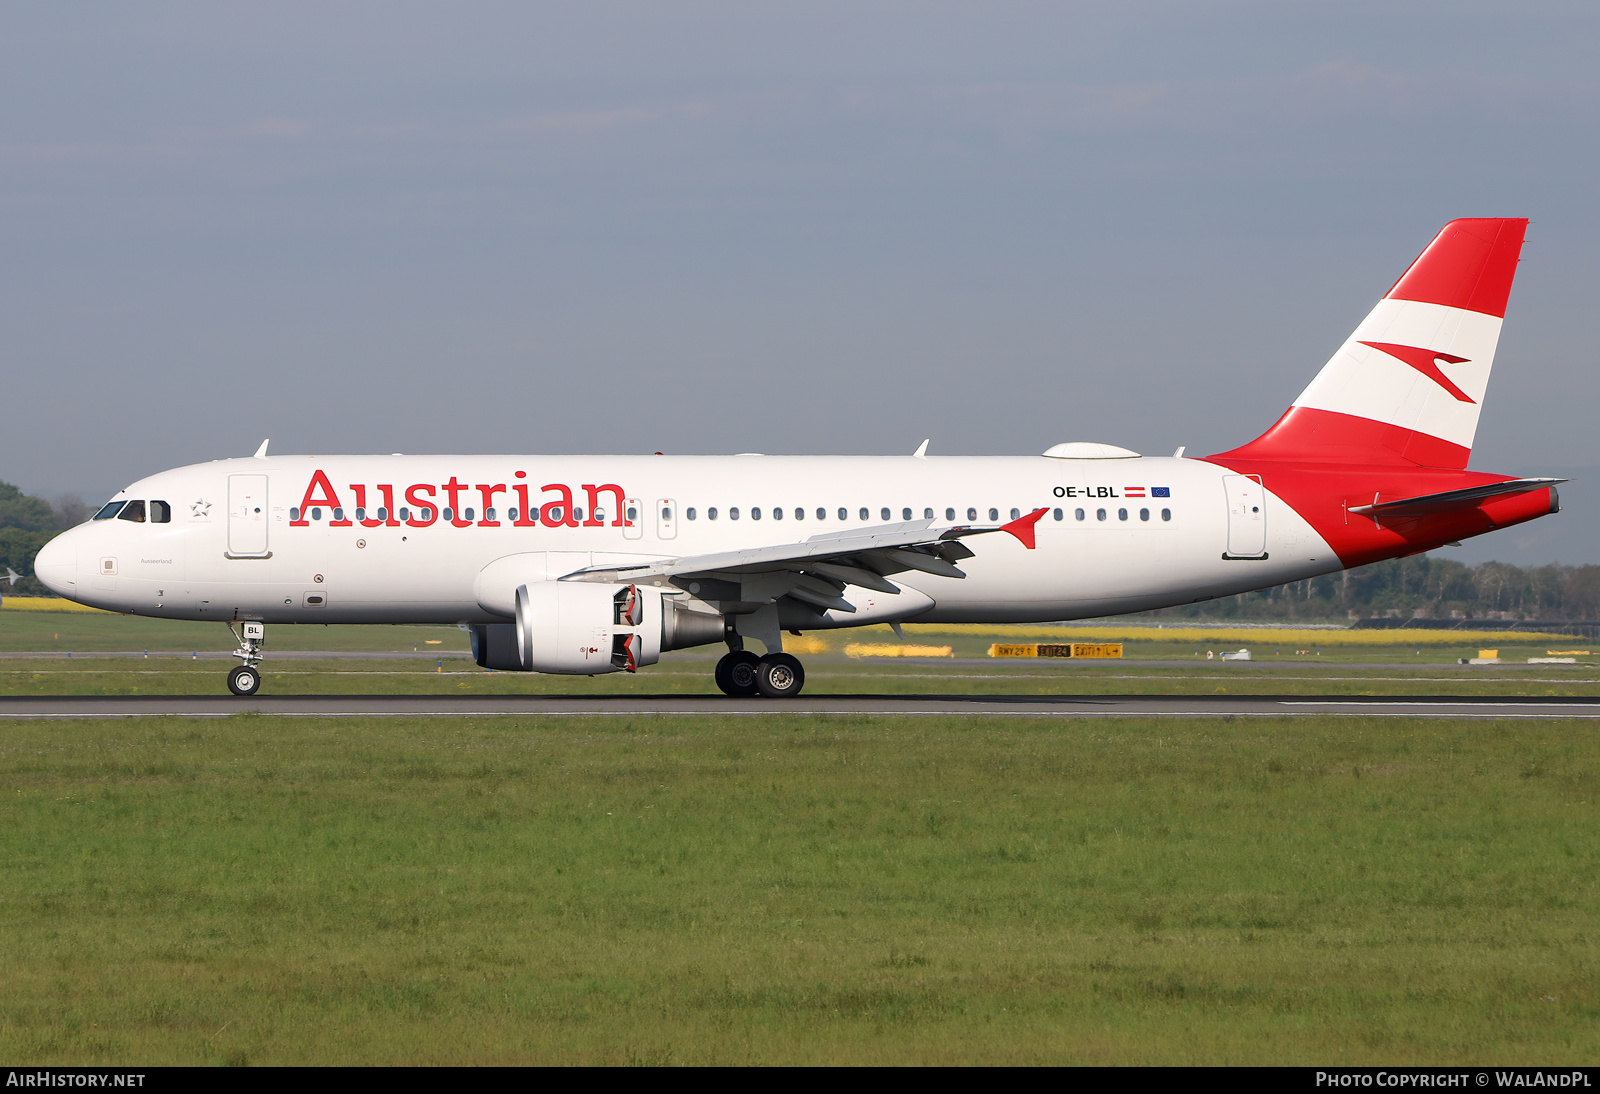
597 564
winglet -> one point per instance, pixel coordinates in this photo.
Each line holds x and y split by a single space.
261 453
922 449
1022 527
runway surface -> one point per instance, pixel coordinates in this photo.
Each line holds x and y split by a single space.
1032 706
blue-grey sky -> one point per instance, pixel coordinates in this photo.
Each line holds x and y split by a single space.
786 227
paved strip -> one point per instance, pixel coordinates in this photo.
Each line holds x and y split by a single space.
409 706
217 655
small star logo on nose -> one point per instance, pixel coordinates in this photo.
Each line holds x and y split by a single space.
200 508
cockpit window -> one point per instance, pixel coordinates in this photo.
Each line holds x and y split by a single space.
134 510
109 510
160 513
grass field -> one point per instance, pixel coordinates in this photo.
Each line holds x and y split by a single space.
1386 665
791 889
799 890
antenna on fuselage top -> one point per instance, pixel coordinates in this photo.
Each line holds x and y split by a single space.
922 450
261 453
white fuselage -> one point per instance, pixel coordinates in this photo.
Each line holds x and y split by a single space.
239 547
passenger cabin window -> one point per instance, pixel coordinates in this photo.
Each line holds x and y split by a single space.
949 514
799 514
1059 514
1099 514
863 513
1122 514
1077 514
689 512
822 514
405 514
905 514
1166 514
160 513
577 514
1144 514
294 512
467 513
449 514
599 516
338 512
994 514
316 512
777 512
134 510
711 514
361 513
733 513
633 514
755 513
972 514
488 514
885 512
383 513
109 510
1015 513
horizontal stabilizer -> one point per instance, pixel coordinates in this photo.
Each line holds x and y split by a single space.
1428 504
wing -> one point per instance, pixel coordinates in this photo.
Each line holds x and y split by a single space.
817 570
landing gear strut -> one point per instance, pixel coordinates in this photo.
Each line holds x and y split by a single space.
245 679
777 675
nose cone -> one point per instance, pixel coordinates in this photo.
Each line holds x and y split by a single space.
57 566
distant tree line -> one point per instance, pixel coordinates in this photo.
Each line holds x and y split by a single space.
1416 587
1419 587
26 524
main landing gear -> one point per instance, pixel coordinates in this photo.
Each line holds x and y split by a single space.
777 675
245 679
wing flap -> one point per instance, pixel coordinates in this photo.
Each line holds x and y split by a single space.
881 548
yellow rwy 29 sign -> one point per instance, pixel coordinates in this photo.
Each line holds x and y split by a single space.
1061 649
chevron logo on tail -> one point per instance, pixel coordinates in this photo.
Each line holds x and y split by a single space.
1426 361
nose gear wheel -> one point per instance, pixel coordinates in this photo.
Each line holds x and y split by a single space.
244 680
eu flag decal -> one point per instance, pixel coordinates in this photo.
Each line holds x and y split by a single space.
1160 492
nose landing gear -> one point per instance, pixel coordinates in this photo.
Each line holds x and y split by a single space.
245 679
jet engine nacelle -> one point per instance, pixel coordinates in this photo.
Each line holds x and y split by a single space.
587 628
